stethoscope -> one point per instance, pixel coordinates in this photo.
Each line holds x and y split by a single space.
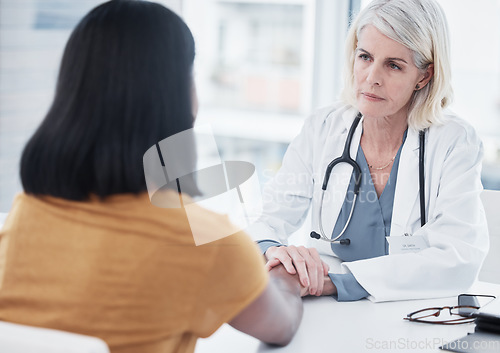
346 158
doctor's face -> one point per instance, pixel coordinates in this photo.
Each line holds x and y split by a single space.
385 76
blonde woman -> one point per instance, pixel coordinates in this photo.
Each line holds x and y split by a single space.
416 228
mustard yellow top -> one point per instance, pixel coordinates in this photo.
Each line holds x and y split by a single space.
123 270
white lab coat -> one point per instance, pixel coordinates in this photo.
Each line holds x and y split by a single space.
456 229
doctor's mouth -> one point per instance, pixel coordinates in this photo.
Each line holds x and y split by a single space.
372 97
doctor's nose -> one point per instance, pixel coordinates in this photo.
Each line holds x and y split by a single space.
374 76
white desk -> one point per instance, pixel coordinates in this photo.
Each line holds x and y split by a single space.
362 326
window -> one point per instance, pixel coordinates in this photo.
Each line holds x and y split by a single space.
32 37
254 58
33 34
475 44
262 66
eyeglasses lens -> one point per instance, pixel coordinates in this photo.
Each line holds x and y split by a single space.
452 315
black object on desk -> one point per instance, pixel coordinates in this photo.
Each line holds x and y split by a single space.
477 342
486 338
488 317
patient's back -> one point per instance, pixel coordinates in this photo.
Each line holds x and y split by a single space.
123 270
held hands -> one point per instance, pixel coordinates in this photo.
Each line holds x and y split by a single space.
275 262
302 261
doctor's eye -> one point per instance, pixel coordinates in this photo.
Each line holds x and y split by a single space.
394 66
364 56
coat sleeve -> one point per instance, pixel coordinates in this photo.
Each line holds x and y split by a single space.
287 196
456 232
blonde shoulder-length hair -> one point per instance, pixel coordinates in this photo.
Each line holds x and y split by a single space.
421 26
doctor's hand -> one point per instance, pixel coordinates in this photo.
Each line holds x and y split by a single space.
302 261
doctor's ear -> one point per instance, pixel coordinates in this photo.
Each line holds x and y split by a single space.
429 72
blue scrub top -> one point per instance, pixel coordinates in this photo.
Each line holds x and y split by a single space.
369 225
372 216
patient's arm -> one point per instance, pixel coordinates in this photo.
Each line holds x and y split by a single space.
276 314
328 287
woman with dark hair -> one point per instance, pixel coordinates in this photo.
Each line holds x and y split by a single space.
83 249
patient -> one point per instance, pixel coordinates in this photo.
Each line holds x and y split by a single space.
83 249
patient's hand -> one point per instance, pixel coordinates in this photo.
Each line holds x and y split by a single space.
328 288
275 262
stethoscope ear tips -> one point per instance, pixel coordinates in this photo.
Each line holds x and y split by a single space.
345 241
315 235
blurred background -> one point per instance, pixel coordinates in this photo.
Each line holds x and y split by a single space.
262 67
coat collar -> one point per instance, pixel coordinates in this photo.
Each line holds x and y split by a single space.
407 184
348 117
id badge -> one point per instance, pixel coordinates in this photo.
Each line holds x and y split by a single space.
407 243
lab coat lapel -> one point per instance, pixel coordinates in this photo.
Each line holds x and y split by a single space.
407 184
341 174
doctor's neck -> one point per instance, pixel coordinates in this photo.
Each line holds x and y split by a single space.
383 133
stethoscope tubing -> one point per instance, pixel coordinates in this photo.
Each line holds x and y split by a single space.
320 220
346 158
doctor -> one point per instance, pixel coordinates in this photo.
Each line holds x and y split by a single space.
401 236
